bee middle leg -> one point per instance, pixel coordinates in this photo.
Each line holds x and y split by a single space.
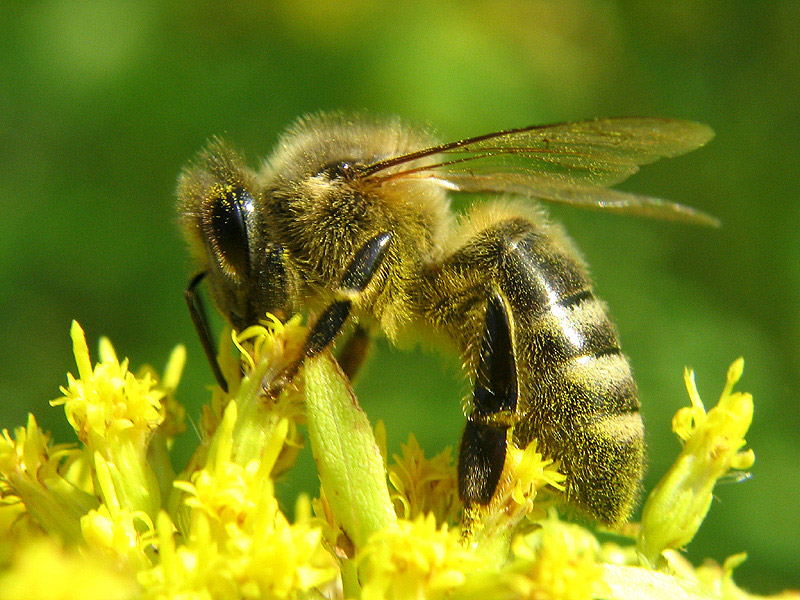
354 352
356 278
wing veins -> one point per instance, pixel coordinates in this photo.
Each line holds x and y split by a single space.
572 163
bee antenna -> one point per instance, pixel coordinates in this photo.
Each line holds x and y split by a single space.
200 319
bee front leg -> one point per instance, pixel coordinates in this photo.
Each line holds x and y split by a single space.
199 316
483 444
356 278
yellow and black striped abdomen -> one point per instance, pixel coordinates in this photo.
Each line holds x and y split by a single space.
577 396
574 391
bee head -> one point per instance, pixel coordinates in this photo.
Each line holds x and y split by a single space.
220 211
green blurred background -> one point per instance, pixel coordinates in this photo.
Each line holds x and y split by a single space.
101 103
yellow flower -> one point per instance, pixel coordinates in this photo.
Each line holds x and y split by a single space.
490 528
265 350
102 495
31 474
108 519
558 560
116 415
711 447
237 542
117 533
415 560
424 485
45 571
225 490
114 528
527 471
109 402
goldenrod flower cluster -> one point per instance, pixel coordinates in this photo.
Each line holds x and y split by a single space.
712 444
108 517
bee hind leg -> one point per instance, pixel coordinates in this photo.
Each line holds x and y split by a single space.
483 445
356 278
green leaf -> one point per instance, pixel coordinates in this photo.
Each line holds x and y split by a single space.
351 468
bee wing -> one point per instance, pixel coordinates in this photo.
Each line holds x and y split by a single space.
583 196
571 163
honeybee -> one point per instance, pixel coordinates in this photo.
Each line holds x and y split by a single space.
350 219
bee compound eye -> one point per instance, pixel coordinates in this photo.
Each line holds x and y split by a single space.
346 169
228 224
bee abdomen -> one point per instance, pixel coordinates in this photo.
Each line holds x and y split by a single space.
605 466
573 328
583 407
577 395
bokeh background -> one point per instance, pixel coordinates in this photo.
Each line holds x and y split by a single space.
101 103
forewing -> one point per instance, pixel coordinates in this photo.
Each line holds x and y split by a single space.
567 162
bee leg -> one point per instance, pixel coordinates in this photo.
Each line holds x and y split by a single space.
483 445
354 352
200 319
356 277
